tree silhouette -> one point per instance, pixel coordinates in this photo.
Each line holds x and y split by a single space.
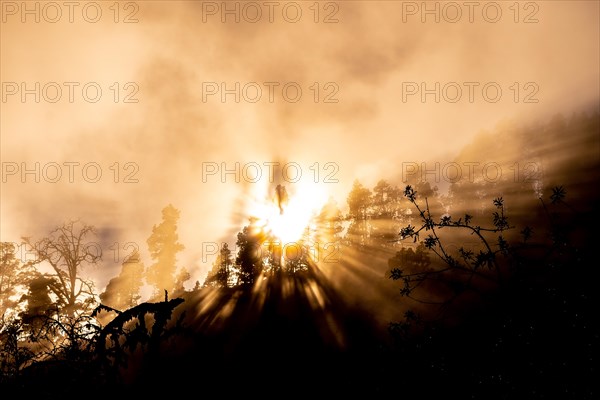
459 271
359 204
12 276
417 259
222 273
470 270
250 254
163 246
297 256
386 200
66 251
120 335
38 299
123 291
14 357
359 201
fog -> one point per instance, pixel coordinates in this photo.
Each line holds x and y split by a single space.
178 54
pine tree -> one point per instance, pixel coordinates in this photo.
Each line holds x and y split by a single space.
249 260
223 273
359 203
12 276
163 246
123 291
386 200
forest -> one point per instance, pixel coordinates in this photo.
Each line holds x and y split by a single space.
481 289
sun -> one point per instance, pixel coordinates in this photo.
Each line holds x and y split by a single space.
288 220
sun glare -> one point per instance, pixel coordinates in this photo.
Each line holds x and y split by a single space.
288 220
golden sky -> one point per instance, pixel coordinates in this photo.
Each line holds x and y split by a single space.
172 53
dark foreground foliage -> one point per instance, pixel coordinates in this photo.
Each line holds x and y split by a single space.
529 329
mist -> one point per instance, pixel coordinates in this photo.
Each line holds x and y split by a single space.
177 52
330 197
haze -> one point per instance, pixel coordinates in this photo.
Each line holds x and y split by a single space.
173 57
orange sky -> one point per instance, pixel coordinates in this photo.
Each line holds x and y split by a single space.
369 56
